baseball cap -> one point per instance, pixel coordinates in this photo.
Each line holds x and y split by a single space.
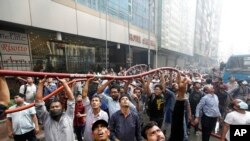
101 121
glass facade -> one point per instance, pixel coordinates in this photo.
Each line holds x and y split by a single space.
137 11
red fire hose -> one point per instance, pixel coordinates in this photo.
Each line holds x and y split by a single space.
136 66
44 98
67 75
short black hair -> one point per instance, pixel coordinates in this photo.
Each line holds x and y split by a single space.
115 86
124 95
96 96
20 95
159 86
146 127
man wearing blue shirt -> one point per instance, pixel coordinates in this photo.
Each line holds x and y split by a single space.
209 104
124 124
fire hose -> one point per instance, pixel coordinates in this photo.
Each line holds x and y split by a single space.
67 75
58 90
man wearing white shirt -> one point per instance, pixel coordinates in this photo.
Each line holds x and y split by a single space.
237 117
93 113
22 125
29 90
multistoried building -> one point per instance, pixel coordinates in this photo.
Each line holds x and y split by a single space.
207 27
77 35
176 35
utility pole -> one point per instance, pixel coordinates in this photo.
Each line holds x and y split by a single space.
149 33
106 42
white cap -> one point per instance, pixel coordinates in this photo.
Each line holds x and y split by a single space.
244 82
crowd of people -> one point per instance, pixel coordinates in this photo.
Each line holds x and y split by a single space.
161 106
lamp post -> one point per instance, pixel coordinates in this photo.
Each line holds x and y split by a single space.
149 33
106 41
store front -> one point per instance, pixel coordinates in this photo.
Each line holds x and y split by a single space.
51 51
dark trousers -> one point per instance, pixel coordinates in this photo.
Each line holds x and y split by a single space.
208 124
79 130
177 129
30 136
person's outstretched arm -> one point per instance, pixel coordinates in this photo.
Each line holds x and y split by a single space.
68 91
4 92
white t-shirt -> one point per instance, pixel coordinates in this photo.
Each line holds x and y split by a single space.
30 92
236 118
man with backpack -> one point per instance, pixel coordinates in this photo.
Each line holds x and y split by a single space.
29 90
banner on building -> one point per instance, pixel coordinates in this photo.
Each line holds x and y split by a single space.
14 51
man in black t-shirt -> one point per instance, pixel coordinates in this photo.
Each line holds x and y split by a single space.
155 105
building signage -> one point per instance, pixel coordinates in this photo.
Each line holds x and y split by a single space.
140 40
14 50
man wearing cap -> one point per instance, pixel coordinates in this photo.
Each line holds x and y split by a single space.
22 125
100 131
237 117
125 124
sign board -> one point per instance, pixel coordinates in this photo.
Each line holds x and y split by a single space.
14 50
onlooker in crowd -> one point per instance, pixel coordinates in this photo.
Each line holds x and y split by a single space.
112 98
168 112
4 97
139 100
195 95
242 92
151 132
58 125
156 101
100 131
22 125
29 90
79 118
49 87
124 124
209 104
93 111
178 126
231 85
223 102
237 117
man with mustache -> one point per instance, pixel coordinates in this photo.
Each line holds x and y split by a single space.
58 125
151 132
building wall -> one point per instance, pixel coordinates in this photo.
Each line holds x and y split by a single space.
178 21
70 17
207 28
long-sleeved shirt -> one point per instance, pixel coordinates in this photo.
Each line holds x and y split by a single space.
114 105
54 130
49 89
91 118
125 128
209 104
